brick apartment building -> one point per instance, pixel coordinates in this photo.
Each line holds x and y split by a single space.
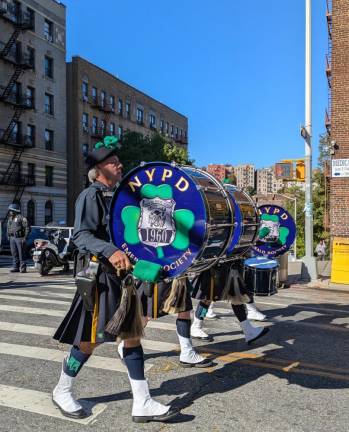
337 117
33 162
245 176
100 104
217 170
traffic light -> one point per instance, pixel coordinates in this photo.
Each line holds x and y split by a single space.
300 171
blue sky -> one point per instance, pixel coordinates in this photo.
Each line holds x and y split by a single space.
234 67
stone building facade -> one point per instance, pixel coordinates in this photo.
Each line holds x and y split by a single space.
33 158
100 104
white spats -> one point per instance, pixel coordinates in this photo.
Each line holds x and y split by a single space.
63 397
210 313
188 353
143 404
252 333
196 330
253 313
121 350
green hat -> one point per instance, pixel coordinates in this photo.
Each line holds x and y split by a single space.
102 150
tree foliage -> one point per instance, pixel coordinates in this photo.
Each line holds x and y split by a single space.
136 148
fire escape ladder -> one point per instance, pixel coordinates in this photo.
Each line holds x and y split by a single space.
8 89
7 176
8 46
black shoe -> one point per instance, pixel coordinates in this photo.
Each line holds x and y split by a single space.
160 418
262 333
14 270
24 270
79 414
203 364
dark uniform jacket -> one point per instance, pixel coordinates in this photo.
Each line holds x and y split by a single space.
91 232
17 226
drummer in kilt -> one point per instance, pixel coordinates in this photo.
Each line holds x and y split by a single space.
84 325
224 282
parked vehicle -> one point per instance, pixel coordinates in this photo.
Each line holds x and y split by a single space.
53 249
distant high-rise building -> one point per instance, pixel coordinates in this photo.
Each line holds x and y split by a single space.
245 176
266 182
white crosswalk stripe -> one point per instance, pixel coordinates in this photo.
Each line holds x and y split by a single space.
49 331
34 300
97 362
40 293
38 402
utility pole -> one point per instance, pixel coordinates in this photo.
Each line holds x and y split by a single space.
309 261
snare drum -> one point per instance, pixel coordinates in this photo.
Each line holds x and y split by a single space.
260 276
246 222
178 217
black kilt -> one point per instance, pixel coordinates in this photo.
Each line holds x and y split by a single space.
152 305
215 283
80 325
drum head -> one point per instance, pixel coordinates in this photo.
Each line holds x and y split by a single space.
261 263
157 214
277 231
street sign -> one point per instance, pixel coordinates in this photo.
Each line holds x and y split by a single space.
284 170
340 167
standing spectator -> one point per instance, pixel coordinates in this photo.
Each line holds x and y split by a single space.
321 250
17 231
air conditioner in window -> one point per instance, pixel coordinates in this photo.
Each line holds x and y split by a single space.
85 128
84 98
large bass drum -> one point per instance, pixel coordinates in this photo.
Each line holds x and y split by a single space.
178 217
246 223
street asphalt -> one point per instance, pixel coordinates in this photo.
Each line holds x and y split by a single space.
294 379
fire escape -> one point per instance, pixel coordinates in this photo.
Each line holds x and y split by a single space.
11 95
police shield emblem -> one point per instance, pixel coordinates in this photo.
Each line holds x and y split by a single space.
156 225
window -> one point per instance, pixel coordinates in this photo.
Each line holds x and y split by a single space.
48 30
85 122
84 89
162 126
31 57
112 102
30 97
112 128
94 125
48 176
16 132
49 144
31 212
85 150
120 131
120 106
48 212
17 171
167 127
31 17
49 104
30 135
103 96
48 67
128 110
152 120
103 125
180 133
31 174
172 130
94 94
176 132
140 115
